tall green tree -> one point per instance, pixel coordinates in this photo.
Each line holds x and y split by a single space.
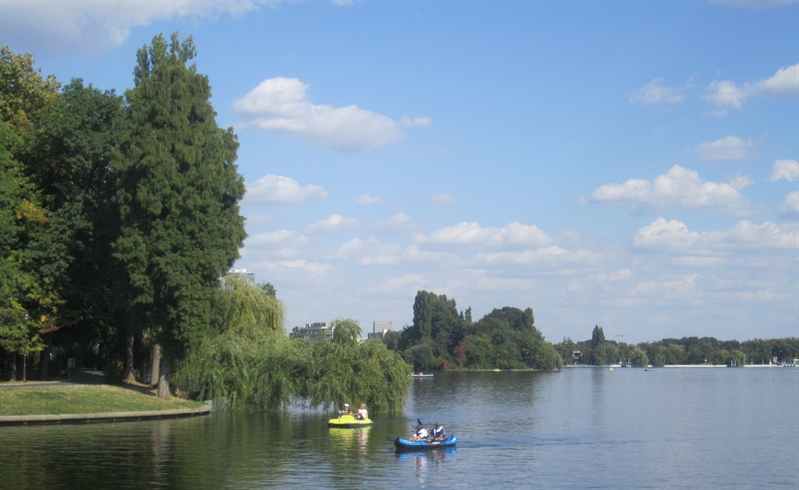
178 196
31 248
79 137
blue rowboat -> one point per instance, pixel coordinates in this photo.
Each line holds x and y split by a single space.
406 445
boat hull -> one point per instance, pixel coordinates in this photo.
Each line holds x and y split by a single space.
348 422
406 445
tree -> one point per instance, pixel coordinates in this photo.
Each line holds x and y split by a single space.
597 336
31 249
79 137
178 193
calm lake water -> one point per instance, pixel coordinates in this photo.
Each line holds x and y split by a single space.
579 428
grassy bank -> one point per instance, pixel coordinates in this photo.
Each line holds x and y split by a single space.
57 400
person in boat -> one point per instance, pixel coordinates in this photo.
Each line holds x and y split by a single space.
438 433
345 410
362 414
420 435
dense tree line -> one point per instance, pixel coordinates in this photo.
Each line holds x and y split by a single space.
443 338
118 217
687 350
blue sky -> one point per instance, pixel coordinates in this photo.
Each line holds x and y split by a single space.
631 165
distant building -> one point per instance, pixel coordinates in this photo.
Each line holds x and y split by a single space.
311 330
379 328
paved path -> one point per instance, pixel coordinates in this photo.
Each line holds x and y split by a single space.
90 377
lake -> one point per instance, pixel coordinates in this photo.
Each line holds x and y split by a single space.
578 428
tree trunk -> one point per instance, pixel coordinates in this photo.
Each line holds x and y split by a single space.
156 364
44 359
129 376
163 379
11 364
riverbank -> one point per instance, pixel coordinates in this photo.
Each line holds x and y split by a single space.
83 399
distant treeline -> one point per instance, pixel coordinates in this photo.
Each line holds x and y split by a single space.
687 350
443 338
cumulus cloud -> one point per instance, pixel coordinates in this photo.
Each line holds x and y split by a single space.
367 200
550 256
790 206
728 148
282 105
784 169
674 235
332 224
680 187
656 93
275 189
726 94
96 26
472 233
442 199
399 222
371 252
277 239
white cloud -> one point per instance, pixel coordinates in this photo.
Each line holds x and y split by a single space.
96 26
399 222
442 199
367 200
674 235
790 206
332 224
679 187
372 252
277 189
728 148
784 169
548 257
280 238
656 93
725 94
282 105
472 234
289 268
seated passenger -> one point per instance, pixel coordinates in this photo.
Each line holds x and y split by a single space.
345 410
362 414
420 435
438 433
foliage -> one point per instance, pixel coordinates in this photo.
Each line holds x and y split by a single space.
247 309
440 337
268 371
688 350
31 255
178 196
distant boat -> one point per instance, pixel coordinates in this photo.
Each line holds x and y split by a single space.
421 375
648 367
610 369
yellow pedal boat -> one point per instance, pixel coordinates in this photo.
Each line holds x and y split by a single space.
348 422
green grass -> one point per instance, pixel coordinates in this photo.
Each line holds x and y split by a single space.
84 399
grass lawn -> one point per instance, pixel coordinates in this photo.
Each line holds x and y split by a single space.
55 400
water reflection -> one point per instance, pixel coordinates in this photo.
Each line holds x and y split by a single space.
425 462
673 427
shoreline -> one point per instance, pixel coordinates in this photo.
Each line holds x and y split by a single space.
103 417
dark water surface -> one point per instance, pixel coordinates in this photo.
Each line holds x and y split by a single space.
580 428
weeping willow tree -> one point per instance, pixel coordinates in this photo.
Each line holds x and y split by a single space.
249 362
252 363
344 370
